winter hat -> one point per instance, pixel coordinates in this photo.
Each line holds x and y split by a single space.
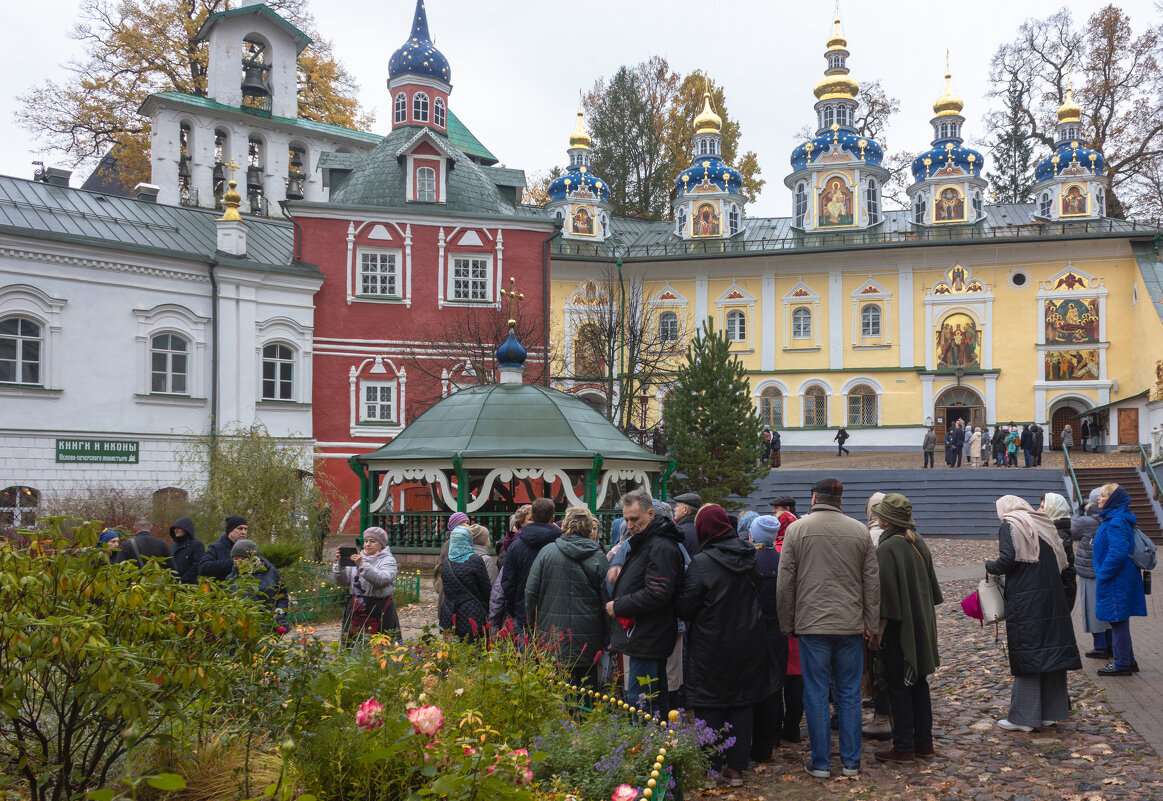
234 521
828 486
107 536
1093 499
764 529
243 548
185 524
711 522
457 519
896 510
662 510
744 526
377 534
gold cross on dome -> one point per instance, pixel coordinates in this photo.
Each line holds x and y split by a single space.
232 166
513 295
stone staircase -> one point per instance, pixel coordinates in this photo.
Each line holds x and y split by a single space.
946 502
1128 478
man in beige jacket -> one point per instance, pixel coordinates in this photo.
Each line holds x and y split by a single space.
829 596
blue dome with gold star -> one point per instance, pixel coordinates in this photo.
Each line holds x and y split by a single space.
708 172
578 181
1070 158
857 148
418 56
948 155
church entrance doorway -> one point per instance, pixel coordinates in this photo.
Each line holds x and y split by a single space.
957 403
1066 414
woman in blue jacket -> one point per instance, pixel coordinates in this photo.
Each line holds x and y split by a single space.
1119 584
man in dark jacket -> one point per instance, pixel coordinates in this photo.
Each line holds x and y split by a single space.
1039 444
258 578
958 445
776 447
144 545
686 506
216 562
565 596
519 559
187 551
1026 443
645 628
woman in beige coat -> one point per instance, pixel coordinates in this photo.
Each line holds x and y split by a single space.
975 447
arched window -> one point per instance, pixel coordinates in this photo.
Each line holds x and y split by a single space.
20 351
278 373
587 352
438 115
1101 195
771 407
681 227
835 62
704 148
870 321
733 219
862 406
829 116
426 184
668 326
842 116
919 208
801 204
560 215
978 205
872 202
419 107
1044 205
801 324
18 506
400 113
169 364
736 326
815 406
605 224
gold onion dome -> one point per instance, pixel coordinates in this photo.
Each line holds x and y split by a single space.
832 87
837 40
708 121
579 138
1069 111
948 104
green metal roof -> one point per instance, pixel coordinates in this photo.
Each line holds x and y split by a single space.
301 39
197 101
463 140
512 422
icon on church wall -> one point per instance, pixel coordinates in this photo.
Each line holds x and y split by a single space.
949 206
1074 202
581 221
835 204
959 342
1074 320
706 221
1072 365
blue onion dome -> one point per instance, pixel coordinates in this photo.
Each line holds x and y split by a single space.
947 157
578 182
1071 158
511 353
418 56
709 173
852 144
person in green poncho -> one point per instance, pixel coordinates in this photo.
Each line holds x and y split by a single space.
909 593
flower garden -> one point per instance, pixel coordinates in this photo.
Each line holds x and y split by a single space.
120 684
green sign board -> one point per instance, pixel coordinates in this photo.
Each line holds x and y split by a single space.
117 451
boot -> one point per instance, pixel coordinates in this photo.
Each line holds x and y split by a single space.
879 728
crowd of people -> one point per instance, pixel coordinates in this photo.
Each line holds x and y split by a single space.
972 446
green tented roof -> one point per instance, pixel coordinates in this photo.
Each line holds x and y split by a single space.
463 140
197 101
301 39
511 422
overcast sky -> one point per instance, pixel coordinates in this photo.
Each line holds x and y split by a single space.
517 65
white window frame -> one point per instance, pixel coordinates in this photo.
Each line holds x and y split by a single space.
919 208
872 201
842 116
420 107
798 330
378 369
804 395
800 204
849 397
31 303
285 372
733 220
170 318
169 373
400 108
681 221
393 390
668 326
870 316
777 417
487 278
737 332
19 341
439 115
396 258
1045 204
425 184
829 116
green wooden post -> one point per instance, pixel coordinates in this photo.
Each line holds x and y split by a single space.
591 485
364 491
461 483
662 479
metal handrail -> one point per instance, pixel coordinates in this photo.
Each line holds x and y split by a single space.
1145 464
1073 477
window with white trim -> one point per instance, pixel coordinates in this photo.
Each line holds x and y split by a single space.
278 372
471 276
419 107
18 506
771 407
872 202
400 113
438 115
978 205
801 324
815 406
829 116
862 406
736 326
377 402
1101 195
919 208
668 327
426 184
842 116
733 219
801 204
169 365
1044 205
870 321
379 273
21 341
680 223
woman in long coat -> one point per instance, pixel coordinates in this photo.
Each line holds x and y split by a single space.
1082 530
1057 508
719 598
372 580
1039 634
1119 591
465 608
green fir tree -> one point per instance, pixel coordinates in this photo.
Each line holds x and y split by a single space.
1012 179
711 421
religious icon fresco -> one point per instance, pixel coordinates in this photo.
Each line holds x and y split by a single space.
582 221
1074 202
706 220
836 205
1074 320
1072 365
958 342
949 206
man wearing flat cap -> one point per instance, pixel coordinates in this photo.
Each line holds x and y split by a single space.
828 595
685 508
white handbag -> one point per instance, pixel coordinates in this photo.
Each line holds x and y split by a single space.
990 593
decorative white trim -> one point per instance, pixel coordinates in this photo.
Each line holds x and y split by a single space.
882 298
26 300
172 318
351 266
767 337
441 241
790 304
400 475
657 300
355 374
836 317
508 473
612 477
101 264
284 330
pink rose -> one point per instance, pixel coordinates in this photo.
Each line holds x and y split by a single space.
624 792
368 715
426 720
524 776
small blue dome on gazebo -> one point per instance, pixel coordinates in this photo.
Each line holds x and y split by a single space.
511 353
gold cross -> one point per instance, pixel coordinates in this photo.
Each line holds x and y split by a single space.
232 167
513 295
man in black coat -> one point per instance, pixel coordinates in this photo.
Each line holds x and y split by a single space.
216 562
686 506
958 445
144 545
1026 442
187 551
1039 444
645 626
519 558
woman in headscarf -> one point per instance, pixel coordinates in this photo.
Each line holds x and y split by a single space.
1119 584
465 607
481 540
1039 634
1082 531
745 521
1057 508
768 711
372 579
880 727
909 593
719 599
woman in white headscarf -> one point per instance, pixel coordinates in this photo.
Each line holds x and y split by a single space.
1057 508
1039 633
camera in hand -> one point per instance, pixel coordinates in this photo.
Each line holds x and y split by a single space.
345 553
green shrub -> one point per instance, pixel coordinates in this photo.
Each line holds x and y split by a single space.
282 554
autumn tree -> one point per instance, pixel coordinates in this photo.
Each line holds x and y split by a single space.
537 189
135 48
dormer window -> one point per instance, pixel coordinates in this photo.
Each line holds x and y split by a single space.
943 133
426 184
438 113
419 107
400 113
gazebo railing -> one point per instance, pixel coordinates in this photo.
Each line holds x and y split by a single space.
425 531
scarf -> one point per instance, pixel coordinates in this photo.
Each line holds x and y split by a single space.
460 544
1055 506
1027 527
711 523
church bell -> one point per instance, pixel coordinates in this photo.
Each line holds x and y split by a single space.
253 83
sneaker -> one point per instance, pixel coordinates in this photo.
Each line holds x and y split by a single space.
850 770
731 777
819 773
1111 669
1005 724
1048 723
